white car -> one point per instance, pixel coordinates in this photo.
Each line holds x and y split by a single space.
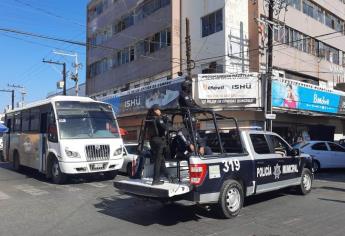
325 154
129 155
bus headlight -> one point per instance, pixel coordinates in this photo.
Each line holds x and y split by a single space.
72 154
118 152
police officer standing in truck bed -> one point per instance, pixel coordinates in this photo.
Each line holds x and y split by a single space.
157 130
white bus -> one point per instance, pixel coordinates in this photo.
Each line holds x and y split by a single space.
64 135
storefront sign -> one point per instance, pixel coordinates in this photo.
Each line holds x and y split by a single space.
164 93
227 90
302 96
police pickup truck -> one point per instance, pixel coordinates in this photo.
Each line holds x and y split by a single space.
240 163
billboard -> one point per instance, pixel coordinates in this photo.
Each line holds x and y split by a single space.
296 95
224 91
162 92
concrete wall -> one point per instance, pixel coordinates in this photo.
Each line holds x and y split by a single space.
218 45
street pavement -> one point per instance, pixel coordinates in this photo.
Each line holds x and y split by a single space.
30 205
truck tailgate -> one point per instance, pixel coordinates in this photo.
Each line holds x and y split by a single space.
143 187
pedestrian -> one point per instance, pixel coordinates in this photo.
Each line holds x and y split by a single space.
158 128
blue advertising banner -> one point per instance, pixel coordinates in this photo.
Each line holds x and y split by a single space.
301 96
164 93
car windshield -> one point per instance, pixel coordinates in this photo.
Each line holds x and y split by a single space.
81 120
132 149
300 145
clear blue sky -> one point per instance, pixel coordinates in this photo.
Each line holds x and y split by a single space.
21 56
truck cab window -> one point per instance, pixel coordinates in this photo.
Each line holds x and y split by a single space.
279 145
260 144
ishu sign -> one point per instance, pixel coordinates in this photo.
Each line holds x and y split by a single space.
302 96
227 90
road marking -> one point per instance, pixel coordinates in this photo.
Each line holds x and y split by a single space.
69 188
291 221
31 190
97 185
4 196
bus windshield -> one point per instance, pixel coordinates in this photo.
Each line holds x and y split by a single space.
85 120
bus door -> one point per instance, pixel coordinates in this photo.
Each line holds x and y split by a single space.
44 141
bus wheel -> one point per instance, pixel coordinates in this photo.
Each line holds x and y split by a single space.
230 199
16 161
57 176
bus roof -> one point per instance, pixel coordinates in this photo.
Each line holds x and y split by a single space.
58 98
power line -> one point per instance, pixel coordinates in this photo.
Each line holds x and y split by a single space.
48 12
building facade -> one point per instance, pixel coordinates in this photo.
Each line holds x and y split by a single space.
308 47
133 43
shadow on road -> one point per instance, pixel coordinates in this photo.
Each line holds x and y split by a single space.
26 172
331 188
332 200
148 212
336 175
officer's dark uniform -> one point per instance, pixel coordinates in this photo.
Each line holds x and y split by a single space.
185 99
157 129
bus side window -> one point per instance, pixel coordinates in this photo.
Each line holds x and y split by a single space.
52 129
9 125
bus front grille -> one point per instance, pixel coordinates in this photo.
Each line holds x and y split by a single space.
97 152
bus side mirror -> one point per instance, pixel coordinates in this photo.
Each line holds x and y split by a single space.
52 133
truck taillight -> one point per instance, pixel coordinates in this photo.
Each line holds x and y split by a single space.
197 173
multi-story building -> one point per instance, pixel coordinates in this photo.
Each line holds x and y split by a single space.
308 47
141 41
136 42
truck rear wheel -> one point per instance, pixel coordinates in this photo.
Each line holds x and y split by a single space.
230 199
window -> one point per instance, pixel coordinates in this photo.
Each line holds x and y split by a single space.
260 144
279 145
319 147
35 120
26 121
336 148
211 68
17 122
295 4
212 23
231 141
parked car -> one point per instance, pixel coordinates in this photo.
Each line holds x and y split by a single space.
1 147
325 154
342 142
129 155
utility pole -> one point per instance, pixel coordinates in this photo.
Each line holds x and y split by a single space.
63 64
23 93
9 91
188 50
269 64
76 66
274 7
